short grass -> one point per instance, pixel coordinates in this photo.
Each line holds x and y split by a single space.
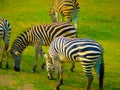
98 19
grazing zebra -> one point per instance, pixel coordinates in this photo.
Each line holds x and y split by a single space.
39 35
68 9
5 31
86 51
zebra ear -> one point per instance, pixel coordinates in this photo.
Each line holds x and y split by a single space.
17 53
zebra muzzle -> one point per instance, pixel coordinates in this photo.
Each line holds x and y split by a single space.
16 68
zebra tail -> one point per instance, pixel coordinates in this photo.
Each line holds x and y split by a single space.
101 72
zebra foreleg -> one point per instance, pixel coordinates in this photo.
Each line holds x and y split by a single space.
44 58
36 57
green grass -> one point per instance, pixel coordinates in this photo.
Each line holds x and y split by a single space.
99 20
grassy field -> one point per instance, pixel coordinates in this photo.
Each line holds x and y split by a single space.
98 19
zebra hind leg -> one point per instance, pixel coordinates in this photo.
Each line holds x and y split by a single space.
90 79
6 48
60 75
7 66
1 55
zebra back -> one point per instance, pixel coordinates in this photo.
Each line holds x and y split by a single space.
43 34
76 49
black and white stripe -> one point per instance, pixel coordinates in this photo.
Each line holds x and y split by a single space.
39 35
66 9
5 31
86 51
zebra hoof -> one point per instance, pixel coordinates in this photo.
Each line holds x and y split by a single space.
57 88
42 67
71 70
17 69
61 82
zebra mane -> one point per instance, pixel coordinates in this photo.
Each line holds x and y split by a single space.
17 38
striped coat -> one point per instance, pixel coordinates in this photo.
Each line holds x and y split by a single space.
5 32
86 51
66 9
39 35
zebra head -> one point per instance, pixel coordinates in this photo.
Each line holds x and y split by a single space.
50 68
16 56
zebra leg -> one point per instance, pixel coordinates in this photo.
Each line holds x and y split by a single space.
90 79
76 18
1 55
60 75
43 56
6 48
36 57
99 68
72 67
88 72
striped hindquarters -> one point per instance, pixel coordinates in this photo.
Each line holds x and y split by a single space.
86 51
74 50
67 8
5 31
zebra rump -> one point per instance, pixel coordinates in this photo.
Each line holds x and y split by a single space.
67 9
5 32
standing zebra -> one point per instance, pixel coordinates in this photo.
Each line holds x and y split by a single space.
38 36
5 31
86 51
68 9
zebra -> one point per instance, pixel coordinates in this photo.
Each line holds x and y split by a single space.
5 32
67 9
86 51
39 35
